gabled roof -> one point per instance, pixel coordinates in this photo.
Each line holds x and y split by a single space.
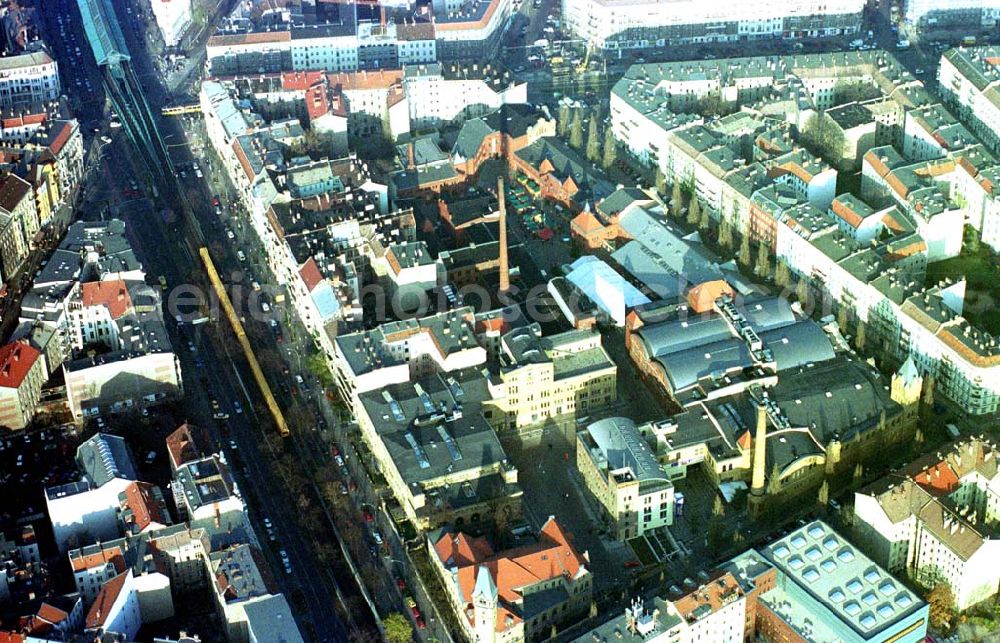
182 445
16 360
13 189
143 505
112 294
112 555
310 274
100 611
512 571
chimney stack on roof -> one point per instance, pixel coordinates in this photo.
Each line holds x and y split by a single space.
504 266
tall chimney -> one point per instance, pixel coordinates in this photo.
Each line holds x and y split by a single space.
411 157
504 268
759 450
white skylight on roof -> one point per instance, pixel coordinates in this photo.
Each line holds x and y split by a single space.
871 575
831 543
903 600
837 595
828 565
846 555
870 598
811 575
795 562
813 553
815 531
852 608
855 586
781 551
885 610
887 588
798 541
867 621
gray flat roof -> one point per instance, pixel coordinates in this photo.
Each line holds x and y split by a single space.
434 427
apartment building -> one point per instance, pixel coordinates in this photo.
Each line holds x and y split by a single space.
936 520
438 453
22 373
94 565
346 40
621 472
402 351
540 381
516 594
613 25
173 17
205 492
28 78
811 585
116 608
87 511
950 14
881 281
970 83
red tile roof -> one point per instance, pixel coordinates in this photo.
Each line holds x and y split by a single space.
112 294
310 274
105 600
140 498
51 613
111 555
16 359
11 637
843 211
182 445
59 140
300 80
938 480
317 103
586 223
513 570
24 119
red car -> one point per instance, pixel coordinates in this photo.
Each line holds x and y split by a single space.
401 584
334 450
415 611
630 564
419 620
215 201
367 515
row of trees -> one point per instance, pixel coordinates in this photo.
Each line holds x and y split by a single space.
600 149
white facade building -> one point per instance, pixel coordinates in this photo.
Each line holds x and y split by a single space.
87 511
932 521
951 13
173 17
28 78
613 24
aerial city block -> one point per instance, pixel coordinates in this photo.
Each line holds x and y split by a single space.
499 321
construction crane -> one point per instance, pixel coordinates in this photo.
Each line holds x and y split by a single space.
586 60
234 321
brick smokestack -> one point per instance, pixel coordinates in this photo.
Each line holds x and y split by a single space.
759 450
504 267
411 157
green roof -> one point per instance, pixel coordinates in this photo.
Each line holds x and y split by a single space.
105 36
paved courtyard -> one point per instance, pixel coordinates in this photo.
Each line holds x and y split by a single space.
551 488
